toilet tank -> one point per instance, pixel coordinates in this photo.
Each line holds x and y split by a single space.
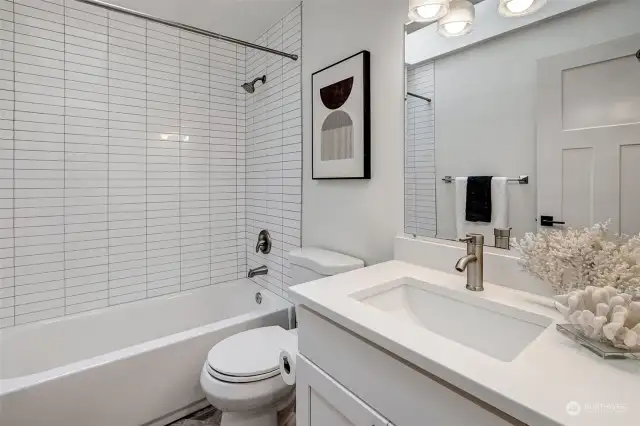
310 263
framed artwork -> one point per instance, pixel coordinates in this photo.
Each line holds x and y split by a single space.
341 110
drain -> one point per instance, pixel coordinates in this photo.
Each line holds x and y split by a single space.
259 298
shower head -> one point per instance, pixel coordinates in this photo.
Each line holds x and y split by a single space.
251 87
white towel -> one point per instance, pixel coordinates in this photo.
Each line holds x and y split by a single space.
499 210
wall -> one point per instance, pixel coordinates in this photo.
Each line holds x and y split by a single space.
358 217
274 151
419 154
119 153
485 99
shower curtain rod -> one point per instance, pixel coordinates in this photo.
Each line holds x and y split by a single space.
189 28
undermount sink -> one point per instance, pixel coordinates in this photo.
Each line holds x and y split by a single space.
497 330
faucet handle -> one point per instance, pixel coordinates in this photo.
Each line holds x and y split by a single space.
477 239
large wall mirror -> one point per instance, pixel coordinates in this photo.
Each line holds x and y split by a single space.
547 104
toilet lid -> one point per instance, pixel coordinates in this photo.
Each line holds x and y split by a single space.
250 353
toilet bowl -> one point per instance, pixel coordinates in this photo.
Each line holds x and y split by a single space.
241 376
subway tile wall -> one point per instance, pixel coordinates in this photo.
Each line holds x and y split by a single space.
274 151
123 167
420 166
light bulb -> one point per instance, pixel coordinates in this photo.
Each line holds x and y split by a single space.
455 27
459 20
519 6
429 11
515 8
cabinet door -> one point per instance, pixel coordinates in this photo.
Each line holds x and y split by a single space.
321 401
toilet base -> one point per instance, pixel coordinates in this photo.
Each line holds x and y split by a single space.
265 418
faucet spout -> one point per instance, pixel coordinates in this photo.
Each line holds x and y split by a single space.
473 262
261 270
463 262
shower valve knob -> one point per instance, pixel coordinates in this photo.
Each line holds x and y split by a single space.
264 242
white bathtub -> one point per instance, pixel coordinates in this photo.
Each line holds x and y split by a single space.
126 365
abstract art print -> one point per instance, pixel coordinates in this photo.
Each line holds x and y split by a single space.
341 144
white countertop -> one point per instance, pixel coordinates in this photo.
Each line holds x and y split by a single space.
535 387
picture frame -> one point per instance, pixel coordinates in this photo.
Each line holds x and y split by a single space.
341 119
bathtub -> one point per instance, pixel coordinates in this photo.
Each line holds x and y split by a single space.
127 365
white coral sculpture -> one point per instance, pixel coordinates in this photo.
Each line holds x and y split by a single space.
574 259
603 314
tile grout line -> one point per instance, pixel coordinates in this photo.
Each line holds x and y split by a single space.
180 148
13 172
108 46
146 159
210 248
64 163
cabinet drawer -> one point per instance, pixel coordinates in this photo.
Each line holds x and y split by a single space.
322 401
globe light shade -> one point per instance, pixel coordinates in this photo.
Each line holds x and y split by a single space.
515 8
427 10
459 20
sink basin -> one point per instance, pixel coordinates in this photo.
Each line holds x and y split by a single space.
497 330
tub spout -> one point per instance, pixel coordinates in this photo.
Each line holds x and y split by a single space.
262 270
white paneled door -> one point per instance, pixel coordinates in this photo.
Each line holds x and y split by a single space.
589 135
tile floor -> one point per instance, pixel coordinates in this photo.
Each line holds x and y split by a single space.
210 416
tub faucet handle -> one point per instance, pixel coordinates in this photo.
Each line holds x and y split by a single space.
264 242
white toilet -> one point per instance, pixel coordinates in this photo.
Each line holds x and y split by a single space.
241 376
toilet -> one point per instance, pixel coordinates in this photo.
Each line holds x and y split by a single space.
241 375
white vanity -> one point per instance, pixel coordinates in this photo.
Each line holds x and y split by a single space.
407 345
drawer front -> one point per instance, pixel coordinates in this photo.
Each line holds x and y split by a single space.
321 401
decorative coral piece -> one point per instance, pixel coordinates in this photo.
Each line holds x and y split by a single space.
616 321
575 259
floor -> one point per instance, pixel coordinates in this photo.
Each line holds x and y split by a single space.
210 416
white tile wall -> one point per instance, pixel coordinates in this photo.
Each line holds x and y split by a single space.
7 113
420 167
274 151
123 165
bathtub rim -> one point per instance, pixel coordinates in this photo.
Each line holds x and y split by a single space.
16 384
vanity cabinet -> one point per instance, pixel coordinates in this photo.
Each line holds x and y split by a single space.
322 401
342 380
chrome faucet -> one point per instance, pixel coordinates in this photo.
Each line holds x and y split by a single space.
261 270
473 262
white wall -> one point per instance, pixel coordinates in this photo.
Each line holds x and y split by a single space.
485 100
358 217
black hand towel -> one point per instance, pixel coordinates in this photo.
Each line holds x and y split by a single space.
478 199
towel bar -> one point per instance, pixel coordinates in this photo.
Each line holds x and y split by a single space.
522 180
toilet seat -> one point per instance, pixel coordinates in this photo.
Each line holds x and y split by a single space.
240 379
250 356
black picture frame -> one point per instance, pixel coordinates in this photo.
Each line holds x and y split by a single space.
366 115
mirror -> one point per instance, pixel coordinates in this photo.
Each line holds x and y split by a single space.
550 100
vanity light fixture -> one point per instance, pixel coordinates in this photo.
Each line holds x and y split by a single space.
427 10
515 8
459 20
